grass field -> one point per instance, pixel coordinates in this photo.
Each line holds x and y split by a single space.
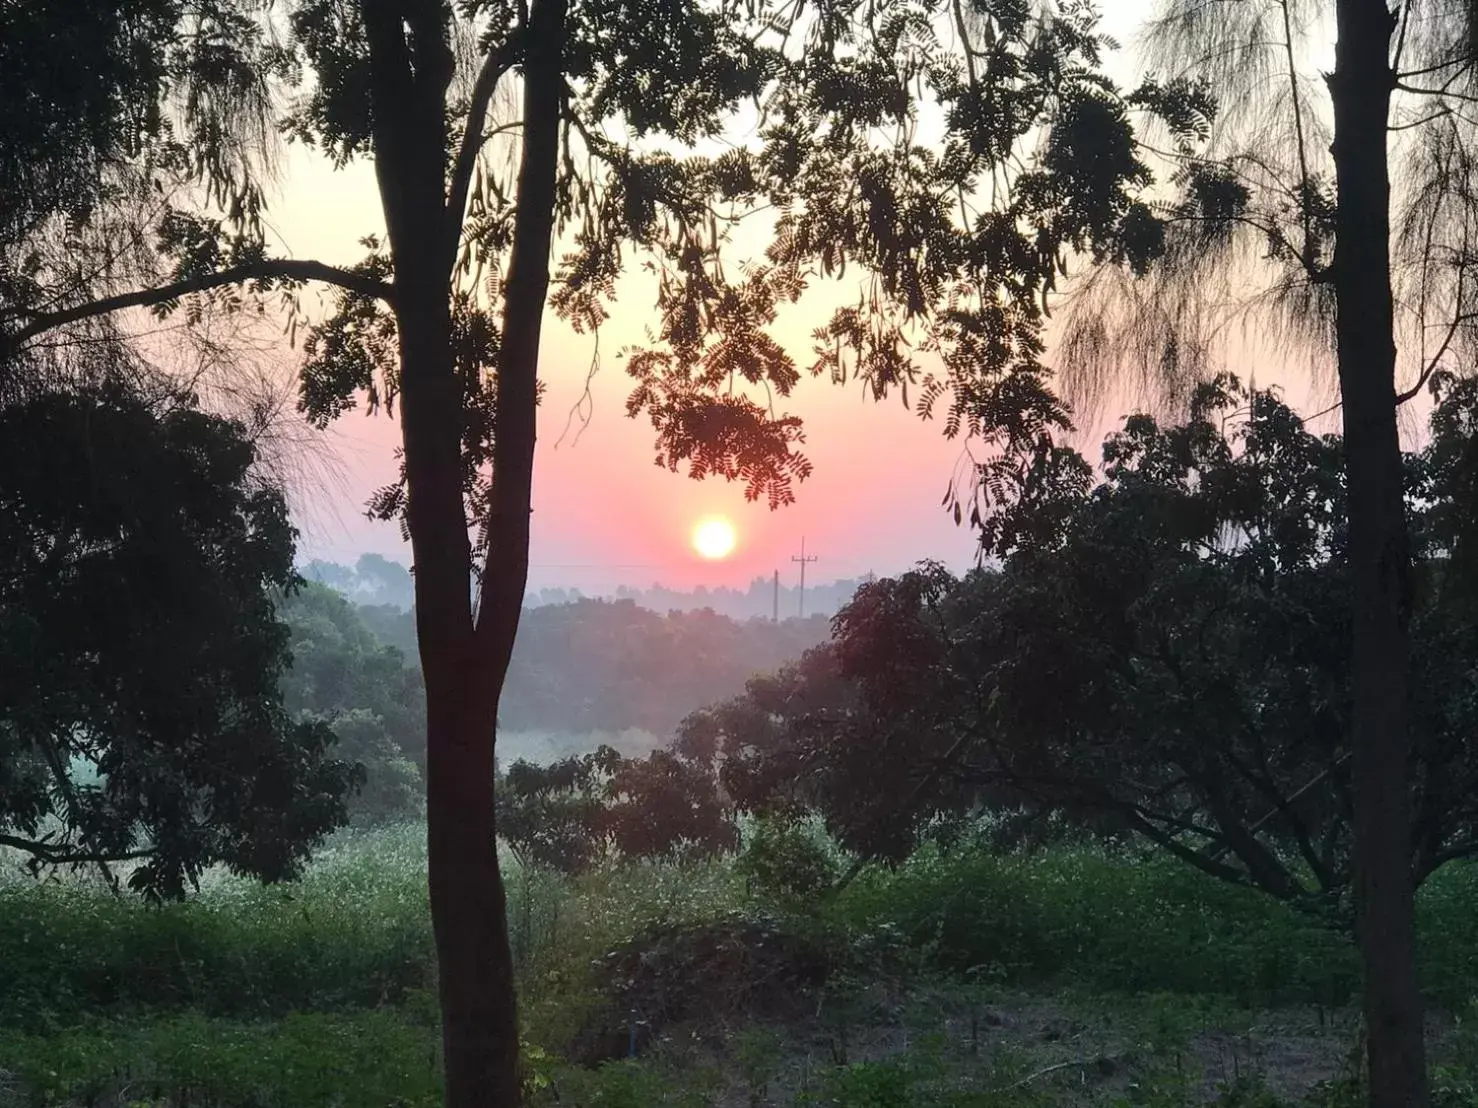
972 979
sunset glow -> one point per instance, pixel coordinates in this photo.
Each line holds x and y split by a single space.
714 538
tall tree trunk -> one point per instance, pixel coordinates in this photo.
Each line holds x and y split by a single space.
464 657
468 903
411 68
1379 558
469 910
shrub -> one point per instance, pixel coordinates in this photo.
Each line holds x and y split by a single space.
787 858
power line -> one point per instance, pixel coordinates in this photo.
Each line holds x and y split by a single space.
601 565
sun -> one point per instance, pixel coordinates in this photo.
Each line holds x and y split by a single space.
714 538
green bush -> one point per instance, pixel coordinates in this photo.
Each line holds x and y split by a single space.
1115 921
787 858
864 1085
630 1084
234 988
354 933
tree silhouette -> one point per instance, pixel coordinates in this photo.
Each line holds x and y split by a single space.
1293 214
950 155
1162 654
141 720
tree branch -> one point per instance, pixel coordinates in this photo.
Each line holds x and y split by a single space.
1305 180
1427 71
1431 366
1445 89
1194 858
57 856
919 786
1464 848
283 268
494 66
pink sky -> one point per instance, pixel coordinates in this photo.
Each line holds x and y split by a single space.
604 513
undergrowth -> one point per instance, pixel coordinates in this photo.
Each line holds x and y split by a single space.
250 997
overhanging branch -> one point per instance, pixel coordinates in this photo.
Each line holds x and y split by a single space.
279 269
1157 835
53 855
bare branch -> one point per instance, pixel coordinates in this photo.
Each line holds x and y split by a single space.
283 268
497 63
1431 366
1445 89
1422 121
1305 178
1428 70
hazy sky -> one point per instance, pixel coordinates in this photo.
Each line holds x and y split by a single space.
604 513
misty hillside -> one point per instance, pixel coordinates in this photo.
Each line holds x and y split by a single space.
579 669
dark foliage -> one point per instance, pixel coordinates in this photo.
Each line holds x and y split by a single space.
87 102
960 237
739 962
1165 654
140 644
375 703
579 810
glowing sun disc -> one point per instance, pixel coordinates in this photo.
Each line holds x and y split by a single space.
714 538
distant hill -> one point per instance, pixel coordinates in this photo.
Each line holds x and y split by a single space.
375 580
755 602
587 667
371 580
613 665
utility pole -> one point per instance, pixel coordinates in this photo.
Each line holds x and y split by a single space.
775 617
802 559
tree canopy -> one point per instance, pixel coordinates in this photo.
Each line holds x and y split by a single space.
1164 652
954 156
140 717
579 810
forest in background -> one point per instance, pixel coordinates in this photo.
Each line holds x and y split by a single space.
584 673
1035 911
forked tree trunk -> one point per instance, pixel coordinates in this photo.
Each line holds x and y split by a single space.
1379 558
465 662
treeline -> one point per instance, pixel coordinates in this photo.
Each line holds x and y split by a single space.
375 581
600 665
758 601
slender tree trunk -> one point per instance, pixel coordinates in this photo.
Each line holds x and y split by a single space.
464 657
469 909
411 68
468 904
1379 559
468 901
